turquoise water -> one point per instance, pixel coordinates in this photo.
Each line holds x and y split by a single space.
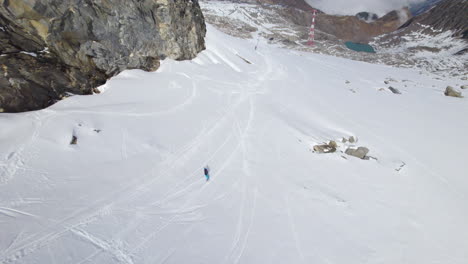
359 47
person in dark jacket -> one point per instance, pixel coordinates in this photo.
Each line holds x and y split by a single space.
206 170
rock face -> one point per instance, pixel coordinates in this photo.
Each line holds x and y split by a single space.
53 47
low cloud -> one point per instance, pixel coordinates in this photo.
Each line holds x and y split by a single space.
352 7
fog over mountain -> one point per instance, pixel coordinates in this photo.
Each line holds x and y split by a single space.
352 7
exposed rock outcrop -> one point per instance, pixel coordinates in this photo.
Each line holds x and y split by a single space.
50 48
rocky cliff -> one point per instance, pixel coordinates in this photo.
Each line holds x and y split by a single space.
51 48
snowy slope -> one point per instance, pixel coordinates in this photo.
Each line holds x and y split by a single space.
132 189
435 52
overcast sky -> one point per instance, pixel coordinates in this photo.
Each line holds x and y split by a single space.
352 7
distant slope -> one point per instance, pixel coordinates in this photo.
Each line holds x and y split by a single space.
437 38
355 29
448 15
419 8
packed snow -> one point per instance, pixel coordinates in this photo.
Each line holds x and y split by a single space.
131 188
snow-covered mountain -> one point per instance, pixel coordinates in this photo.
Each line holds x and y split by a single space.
289 28
436 40
118 177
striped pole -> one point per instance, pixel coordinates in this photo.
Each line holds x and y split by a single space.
311 41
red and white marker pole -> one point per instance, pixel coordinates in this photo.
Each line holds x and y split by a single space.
311 41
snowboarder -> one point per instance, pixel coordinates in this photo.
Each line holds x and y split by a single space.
206 170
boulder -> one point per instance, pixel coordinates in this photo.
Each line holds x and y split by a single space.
394 90
74 140
50 48
450 91
352 140
464 86
326 148
360 152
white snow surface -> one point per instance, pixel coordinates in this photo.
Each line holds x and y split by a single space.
132 189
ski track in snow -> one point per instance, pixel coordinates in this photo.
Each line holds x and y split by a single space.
17 159
86 218
232 136
80 218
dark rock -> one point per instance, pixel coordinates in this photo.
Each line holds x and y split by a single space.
450 91
367 17
360 152
394 90
74 140
49 48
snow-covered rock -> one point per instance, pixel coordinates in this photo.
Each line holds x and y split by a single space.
450 91
360 152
